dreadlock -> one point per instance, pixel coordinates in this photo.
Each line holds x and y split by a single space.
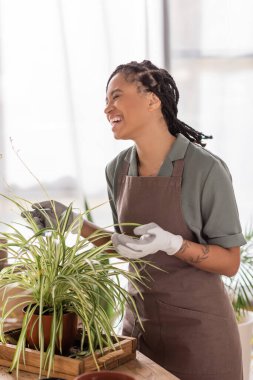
161 83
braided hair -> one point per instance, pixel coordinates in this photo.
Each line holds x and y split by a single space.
150 78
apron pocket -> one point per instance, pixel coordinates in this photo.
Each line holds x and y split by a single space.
194 342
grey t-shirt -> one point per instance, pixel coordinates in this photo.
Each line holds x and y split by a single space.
208 200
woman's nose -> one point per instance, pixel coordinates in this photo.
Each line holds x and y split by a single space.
108 108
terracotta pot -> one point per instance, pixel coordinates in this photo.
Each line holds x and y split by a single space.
68 334
104 375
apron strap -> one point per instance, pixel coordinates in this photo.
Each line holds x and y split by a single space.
178 168
121 173
126 163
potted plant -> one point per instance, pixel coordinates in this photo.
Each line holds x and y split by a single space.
62 277
240 289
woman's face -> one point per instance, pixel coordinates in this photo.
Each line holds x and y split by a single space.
127 108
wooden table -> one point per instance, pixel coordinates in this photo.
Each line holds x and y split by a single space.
142 368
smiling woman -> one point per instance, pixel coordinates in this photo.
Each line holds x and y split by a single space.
183 230
128 105
182 198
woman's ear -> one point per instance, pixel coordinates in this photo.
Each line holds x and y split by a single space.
154 102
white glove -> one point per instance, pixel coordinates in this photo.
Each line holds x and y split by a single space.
45 215
153 239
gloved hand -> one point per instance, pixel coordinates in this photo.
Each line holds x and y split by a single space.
49 214
153 239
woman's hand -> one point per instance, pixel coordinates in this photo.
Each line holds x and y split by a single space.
153 239
48 214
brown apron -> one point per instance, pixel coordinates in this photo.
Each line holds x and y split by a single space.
190 327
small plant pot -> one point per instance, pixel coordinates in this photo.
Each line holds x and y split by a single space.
104 375
69 331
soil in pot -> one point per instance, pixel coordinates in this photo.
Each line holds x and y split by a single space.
68 334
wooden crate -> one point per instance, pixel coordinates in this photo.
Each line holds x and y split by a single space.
68 368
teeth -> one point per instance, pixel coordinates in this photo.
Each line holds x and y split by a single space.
115 119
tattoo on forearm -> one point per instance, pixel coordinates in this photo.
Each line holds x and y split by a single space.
205 249
194 260
202 257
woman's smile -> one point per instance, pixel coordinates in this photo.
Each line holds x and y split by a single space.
115 121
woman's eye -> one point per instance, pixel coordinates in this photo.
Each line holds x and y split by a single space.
115 97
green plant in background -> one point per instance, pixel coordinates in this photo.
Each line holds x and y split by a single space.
240 287
60 277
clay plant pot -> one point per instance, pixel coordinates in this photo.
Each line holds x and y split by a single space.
104 375
68 334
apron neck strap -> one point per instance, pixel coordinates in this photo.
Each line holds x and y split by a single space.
121 173
178 167
126 163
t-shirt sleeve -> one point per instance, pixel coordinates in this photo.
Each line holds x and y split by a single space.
221 224
111 201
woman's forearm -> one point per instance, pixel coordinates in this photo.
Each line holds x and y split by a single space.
211 258
90 229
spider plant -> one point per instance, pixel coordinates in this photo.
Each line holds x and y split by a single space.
240 287
61 277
